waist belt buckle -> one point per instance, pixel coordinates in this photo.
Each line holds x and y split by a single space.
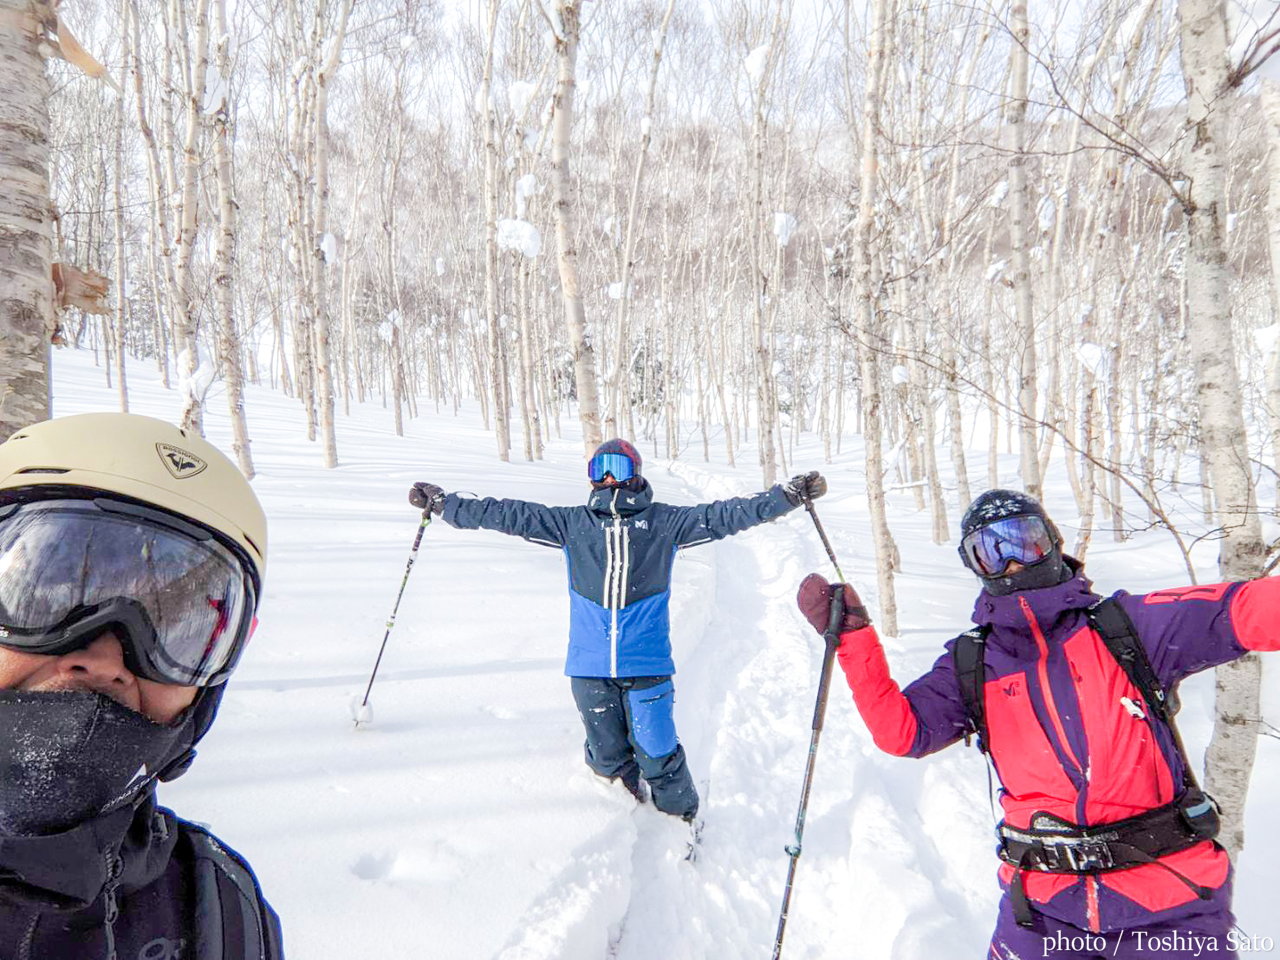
1085 856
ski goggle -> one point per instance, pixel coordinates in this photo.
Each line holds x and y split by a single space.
989 550
181 602
617 465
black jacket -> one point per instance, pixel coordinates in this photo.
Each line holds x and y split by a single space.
148 868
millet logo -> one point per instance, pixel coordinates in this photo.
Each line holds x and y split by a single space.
181 463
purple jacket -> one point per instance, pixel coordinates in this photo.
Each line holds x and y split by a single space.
1063 731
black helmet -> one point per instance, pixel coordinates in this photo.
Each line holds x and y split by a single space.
1002 527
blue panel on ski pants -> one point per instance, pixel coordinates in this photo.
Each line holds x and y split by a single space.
626 721
653 718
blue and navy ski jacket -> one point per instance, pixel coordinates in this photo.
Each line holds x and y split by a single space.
619 549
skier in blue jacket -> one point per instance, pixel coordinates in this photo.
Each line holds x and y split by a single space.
619 548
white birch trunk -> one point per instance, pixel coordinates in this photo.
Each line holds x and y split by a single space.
1020 254
766 407
224 255
1270 95
616 396
122 306
192 416
1229 761
584 363
320 204
866 291
501 422
26 287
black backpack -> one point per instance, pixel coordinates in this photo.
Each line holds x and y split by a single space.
1115 628
232 919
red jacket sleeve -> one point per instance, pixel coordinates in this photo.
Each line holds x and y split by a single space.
928 716
1255 614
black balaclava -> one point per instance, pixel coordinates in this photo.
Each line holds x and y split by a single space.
628 450
999 505
69 756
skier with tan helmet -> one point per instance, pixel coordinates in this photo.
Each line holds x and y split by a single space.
131 563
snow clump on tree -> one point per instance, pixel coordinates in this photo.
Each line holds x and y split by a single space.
784 225
519 235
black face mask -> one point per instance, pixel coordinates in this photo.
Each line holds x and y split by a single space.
66 757
1049 572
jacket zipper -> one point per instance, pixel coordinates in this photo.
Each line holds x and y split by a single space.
613 551
1042 672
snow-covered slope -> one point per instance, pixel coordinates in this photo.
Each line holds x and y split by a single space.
463 825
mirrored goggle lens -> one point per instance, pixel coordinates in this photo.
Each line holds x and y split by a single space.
185 603
617 465
992 548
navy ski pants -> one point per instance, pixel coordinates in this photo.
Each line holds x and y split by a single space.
631 729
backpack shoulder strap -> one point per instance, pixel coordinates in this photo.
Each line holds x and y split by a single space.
969 650
1110 621
1116 629
233 921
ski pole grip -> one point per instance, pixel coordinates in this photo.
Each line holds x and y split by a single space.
837 613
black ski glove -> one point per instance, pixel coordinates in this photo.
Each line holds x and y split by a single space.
804 486
427 496
814 600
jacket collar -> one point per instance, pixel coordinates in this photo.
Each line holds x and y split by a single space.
1049 605
69 870
625 502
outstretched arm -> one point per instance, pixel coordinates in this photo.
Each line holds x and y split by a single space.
921 720
1189 629
520 518
724 518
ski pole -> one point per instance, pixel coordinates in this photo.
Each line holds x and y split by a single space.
808 505
413 555
832 638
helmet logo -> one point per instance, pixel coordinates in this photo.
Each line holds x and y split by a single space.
179 462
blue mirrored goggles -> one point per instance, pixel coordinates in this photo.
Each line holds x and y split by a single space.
989 550
616 465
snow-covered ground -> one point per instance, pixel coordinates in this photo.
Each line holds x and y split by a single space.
463 825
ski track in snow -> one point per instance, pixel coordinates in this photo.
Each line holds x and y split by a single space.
462 824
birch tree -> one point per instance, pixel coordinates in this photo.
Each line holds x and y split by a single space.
617 397
1270 97
26 290
1019 213
229 347
489 131
566 27
194 54
1222 428
866 293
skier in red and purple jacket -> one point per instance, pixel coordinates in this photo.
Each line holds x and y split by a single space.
1078 739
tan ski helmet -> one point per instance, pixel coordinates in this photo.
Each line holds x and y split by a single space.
144 459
